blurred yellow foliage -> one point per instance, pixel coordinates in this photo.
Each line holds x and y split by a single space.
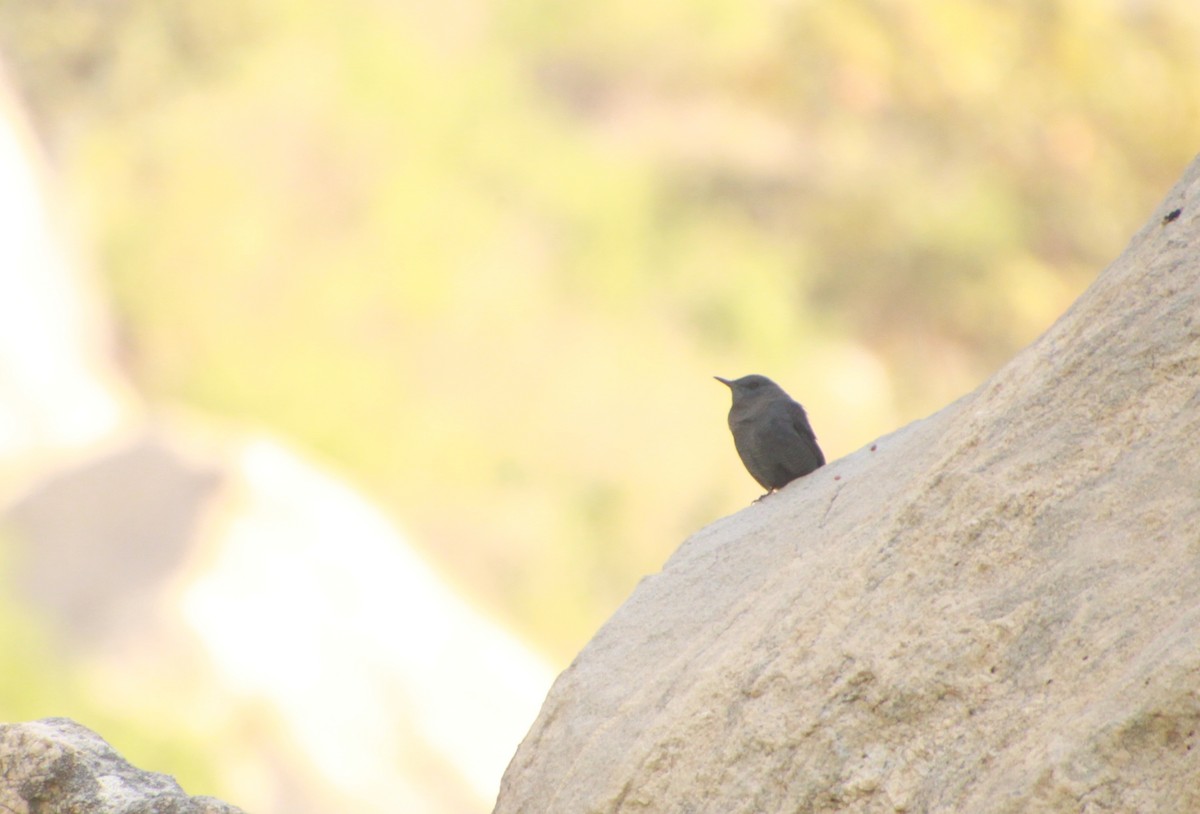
487 257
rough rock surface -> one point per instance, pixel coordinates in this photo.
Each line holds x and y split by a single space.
57 765
994 609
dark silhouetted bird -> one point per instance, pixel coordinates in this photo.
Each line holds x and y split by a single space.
771 432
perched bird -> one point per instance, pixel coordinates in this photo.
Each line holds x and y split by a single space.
771 432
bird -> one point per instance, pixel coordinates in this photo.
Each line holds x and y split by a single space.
771 432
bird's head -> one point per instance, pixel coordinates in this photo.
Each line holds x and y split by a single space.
751 387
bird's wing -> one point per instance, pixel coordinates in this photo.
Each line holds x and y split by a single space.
800 422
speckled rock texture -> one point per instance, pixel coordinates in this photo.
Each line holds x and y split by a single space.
56 766
995 609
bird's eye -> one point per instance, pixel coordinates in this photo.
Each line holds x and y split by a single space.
753 385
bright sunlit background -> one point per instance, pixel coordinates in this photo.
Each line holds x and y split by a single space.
482 260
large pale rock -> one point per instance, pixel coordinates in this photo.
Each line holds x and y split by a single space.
994 609
56 765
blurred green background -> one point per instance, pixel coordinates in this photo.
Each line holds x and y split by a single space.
485 257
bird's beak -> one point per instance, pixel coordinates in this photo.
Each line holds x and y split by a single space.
725 382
